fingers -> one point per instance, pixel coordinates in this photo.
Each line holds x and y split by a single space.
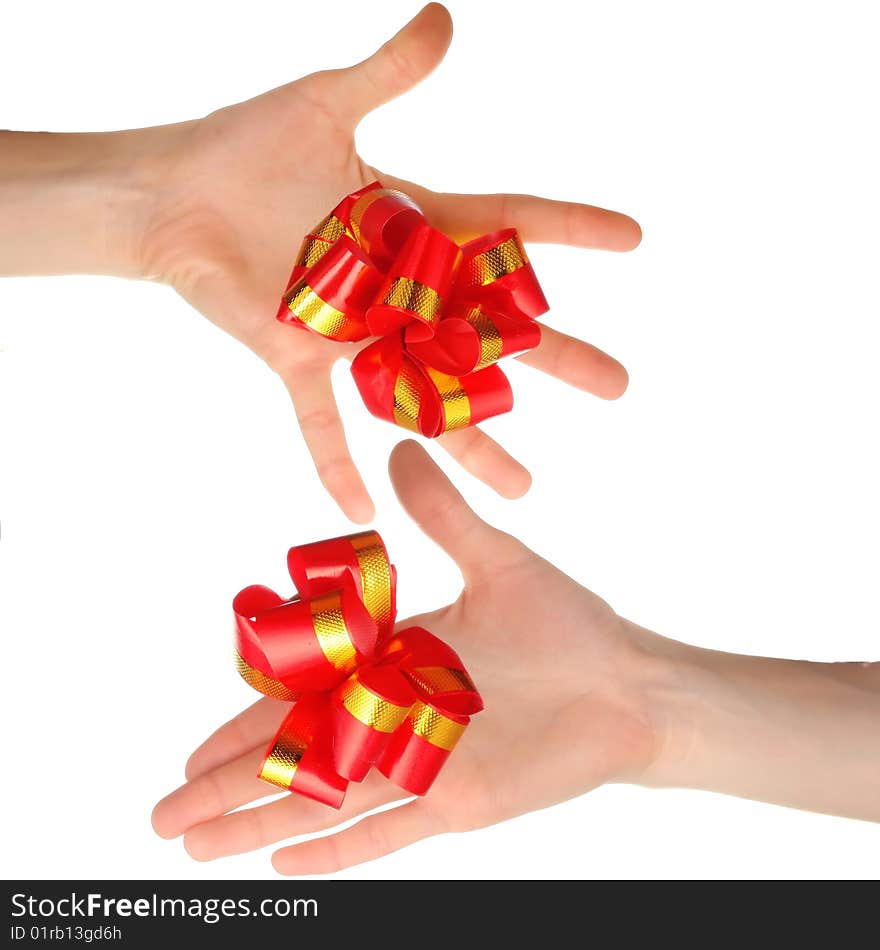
405 60
370 838
485 459
253 727
204 810
438 509
291 815
216 792
309 386
577 363
321 425
538 220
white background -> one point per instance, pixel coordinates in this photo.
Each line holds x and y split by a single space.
152 466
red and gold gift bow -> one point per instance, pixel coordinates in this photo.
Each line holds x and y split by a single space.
444 314
363 695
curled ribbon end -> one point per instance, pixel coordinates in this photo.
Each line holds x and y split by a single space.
383 319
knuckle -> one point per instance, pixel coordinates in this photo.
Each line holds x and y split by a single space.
377 839
257 829
334 855
211 795
564 360
191 767
317 421
335 472
504 209
444 512
571 220
468 446
399 65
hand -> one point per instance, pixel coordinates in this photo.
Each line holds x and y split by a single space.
232 195
566 687
575 696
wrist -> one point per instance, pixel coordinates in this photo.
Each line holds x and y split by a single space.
773 730
673 685
716 713
78 203
135 172
148 182
103 184
646 688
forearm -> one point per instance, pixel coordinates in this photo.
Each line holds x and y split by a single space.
71 203
801 734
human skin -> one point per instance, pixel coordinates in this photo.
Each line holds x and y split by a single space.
574 693
216 208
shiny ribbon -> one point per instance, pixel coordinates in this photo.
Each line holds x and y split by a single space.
444 314
363 695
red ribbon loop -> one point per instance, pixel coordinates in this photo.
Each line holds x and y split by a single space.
364 695
444 314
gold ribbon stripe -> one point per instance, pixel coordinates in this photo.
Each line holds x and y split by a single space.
406 398
498 261
311 251
434 727
311 310
321 239
491 343
332 634
330 229
281 762
262 683
375 575
456 405
441 679
416 297
370 709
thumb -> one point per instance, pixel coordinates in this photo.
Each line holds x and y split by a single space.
403 62
430 499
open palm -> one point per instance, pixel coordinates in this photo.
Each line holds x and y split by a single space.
237 190
558 671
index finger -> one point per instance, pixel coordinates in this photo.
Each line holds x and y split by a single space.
538 220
